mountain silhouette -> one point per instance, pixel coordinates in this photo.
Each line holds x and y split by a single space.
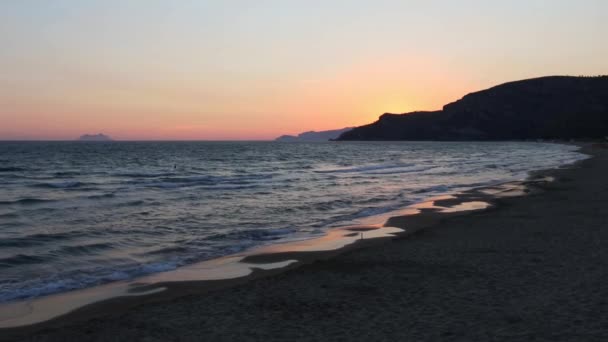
313 136
554 107
94 137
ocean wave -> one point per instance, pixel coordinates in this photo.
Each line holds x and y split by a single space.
8 215
366 168
37 287
40 239
100 196
240 179
391 171
161 185
60 185
67 173
319 206
347 219
133 203
435 188
374 211
21 259
168 250
143 174
27 201
230 187
83 249
206 182
376 199
254 234
12 169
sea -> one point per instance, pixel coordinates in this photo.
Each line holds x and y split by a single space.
80 214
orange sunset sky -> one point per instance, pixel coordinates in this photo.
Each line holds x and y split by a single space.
190 70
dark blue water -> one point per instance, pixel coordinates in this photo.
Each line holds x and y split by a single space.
76 214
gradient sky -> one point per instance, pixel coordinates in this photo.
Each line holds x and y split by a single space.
248 69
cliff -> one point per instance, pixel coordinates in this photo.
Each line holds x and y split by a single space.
555 107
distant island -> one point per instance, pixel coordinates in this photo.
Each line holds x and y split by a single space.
94 137
311 136
554 107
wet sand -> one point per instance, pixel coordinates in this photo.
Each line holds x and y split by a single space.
528 268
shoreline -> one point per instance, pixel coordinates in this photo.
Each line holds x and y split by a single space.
101 248
250 264
266 261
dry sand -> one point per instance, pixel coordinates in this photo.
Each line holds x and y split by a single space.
531 268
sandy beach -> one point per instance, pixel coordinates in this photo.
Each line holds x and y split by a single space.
528 268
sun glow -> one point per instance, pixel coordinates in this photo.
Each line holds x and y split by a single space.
216 70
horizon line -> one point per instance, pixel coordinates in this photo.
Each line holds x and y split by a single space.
127 140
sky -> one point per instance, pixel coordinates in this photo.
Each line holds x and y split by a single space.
254 70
